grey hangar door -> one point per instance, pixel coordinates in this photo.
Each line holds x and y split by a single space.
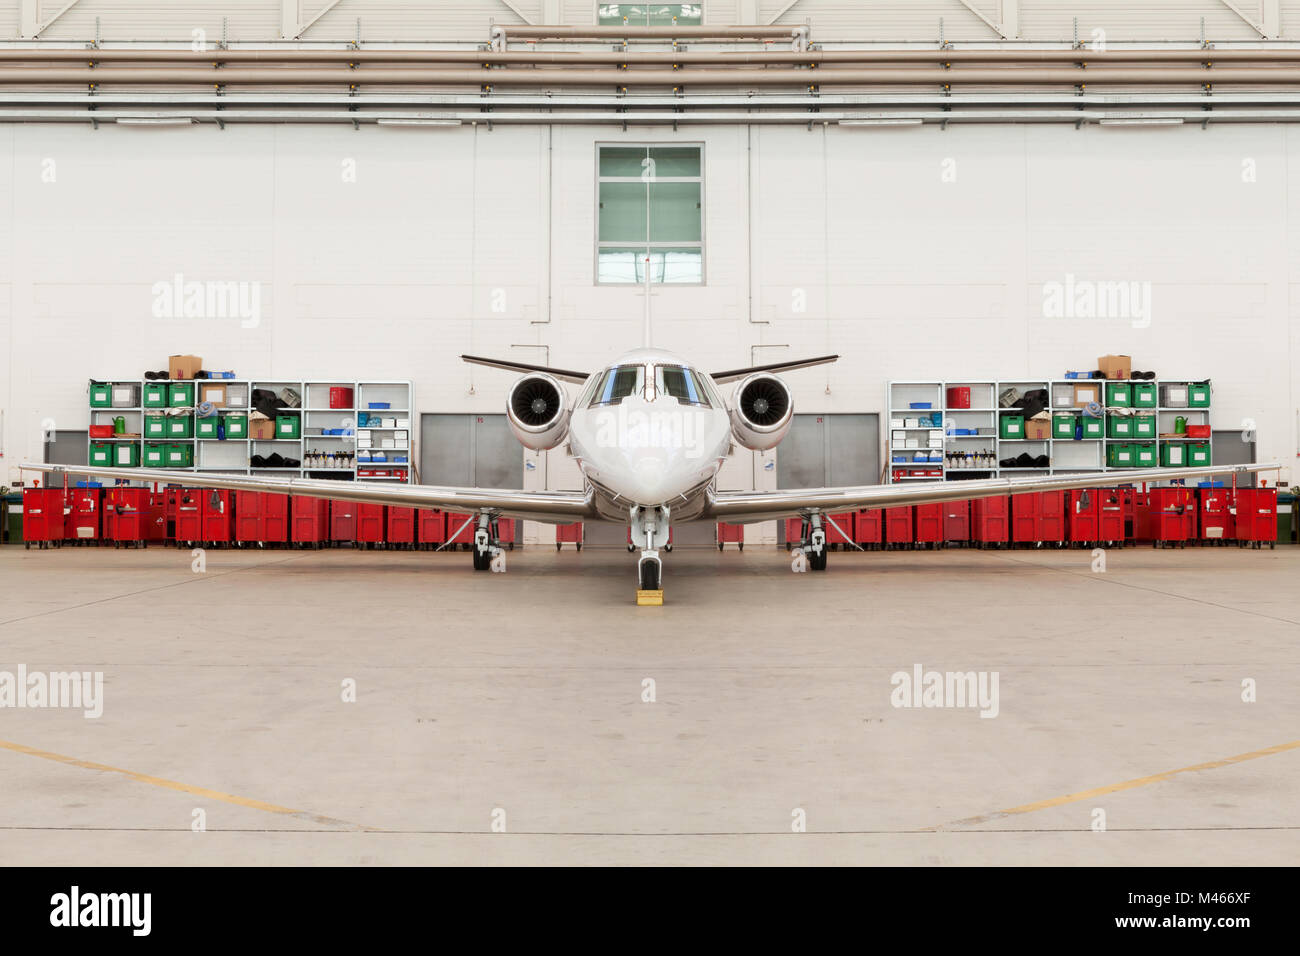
829 451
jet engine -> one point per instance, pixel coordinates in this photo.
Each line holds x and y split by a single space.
762 408
537 413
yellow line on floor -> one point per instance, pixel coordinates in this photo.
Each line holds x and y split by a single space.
1116 787
203 792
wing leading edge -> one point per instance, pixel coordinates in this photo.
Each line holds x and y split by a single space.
554 507
748 506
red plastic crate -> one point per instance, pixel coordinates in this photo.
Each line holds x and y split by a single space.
568 534
1051 516
248 520
959 396
929 521
401 525
83 523
275 517
868 527
1256 515
956 522
1026 518
898 525
42 516
310 520
990 520
340 397
431 526
343 522
370 523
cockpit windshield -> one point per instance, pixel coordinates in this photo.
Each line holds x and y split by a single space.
681 384
619 383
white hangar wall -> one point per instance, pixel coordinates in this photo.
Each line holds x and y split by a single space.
916 252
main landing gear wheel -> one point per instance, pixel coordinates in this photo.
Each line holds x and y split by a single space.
817 562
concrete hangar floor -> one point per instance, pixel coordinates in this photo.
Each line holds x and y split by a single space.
344 707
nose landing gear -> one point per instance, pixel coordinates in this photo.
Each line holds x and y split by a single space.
649 526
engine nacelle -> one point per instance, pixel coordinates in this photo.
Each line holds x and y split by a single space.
761 411
537 412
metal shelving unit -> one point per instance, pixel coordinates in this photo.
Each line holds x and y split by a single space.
1065 455
233 455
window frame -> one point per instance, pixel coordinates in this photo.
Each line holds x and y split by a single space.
674 3
647 245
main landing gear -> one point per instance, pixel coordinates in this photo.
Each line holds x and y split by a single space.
811 553
649 527
488 553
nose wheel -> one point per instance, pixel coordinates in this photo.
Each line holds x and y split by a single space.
649 527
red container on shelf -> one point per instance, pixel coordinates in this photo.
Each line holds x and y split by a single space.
958 396
101 431
867 527
898 525
340 397
1198 431
431 526
564 534
401 525
956 522
42 515
343 521
929 521
370 523
457 534
310 520
990 520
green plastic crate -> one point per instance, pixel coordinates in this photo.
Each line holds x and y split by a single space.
1144 426
180 394
180 456
1121 455
290 426
126 454
1093 427
1063 425
180 426
1145 456
1119 426
1143 394
1198 396
155 395
1198 454
101 454
101 396
1173 455
236 426
1119 395
155 456
206 427
155 426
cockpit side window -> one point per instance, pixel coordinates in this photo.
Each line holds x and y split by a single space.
682 384
619 383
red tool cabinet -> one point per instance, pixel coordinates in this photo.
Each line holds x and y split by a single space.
401 526
1026 518
1083 521
1168 515
845 535
189 516
929 524
867 528
218 509
43 516
261 517
134 516
564 534
990 521
1110 520
343 522
431 527
956 522
1051 517
1256 514
82 523
370 523
898 525
727 534
1216 521
456 534
310 520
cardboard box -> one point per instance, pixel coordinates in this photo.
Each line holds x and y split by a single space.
1038 430
1083 394
1115 366
183 366
216 394
261 429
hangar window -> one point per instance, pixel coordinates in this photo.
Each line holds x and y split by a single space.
650 14
650 205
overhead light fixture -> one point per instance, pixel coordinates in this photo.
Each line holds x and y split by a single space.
1139 119
883 121
156 119
416 121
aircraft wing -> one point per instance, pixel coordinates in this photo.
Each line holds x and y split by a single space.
555 507
736 374
747 506
563 374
